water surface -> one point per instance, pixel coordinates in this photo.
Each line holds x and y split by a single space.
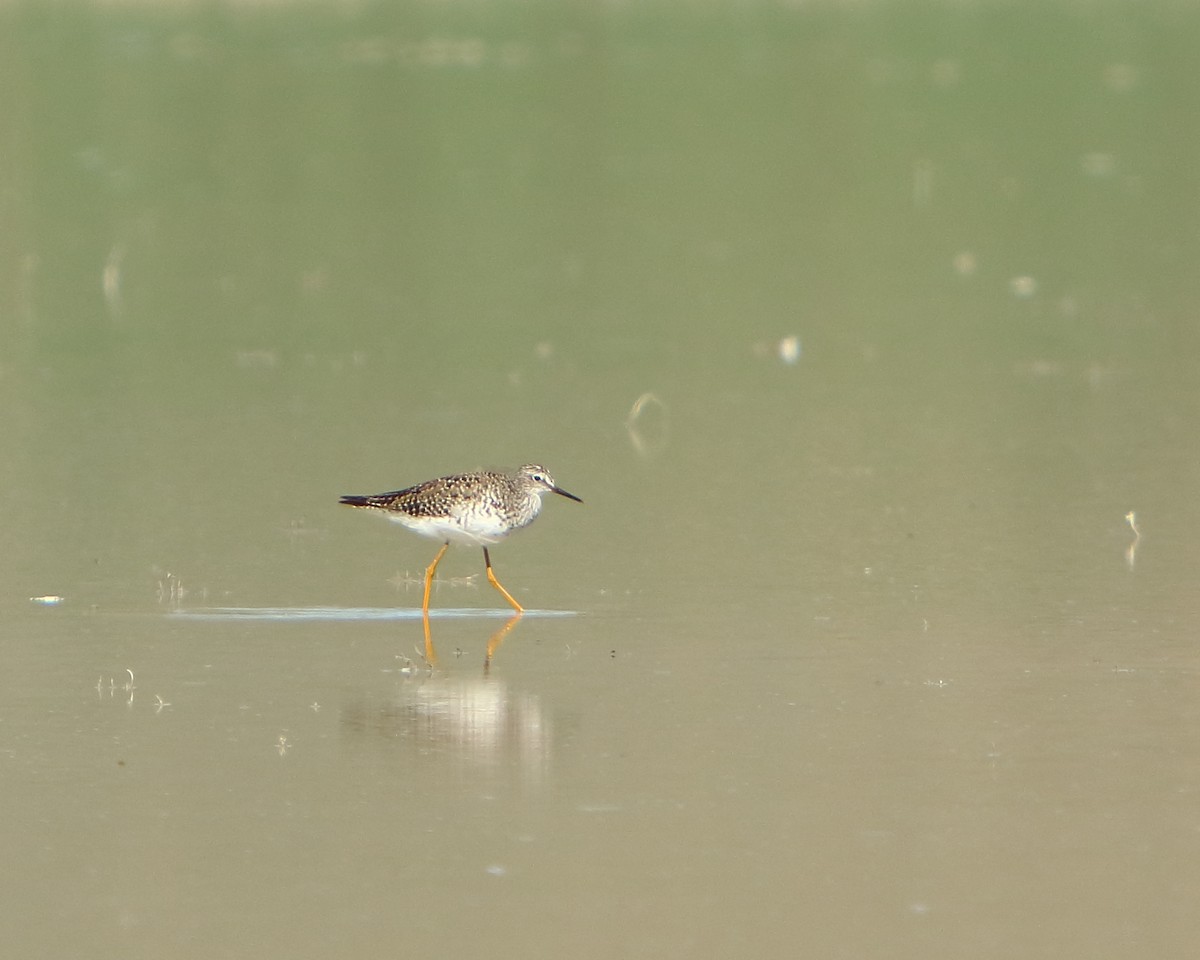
865 332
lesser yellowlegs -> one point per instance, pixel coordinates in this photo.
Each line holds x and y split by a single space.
478 508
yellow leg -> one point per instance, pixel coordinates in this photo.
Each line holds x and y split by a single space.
429 577
496 583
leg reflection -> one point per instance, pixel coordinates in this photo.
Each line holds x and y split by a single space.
497 638
493 643
430 653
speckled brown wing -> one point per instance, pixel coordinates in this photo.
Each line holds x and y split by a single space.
433 498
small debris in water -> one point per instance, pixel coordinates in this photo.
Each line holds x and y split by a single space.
50 600
787 349
1131 550
1130 518
1023 287
965 263
647 424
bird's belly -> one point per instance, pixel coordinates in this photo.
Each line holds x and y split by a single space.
472 529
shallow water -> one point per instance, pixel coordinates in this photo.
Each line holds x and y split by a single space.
867 336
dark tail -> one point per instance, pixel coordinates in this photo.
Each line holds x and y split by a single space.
355 501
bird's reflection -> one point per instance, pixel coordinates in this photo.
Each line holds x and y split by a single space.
474 722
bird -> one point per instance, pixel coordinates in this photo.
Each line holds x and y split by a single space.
477 508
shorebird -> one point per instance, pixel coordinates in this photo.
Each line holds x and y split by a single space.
479 508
